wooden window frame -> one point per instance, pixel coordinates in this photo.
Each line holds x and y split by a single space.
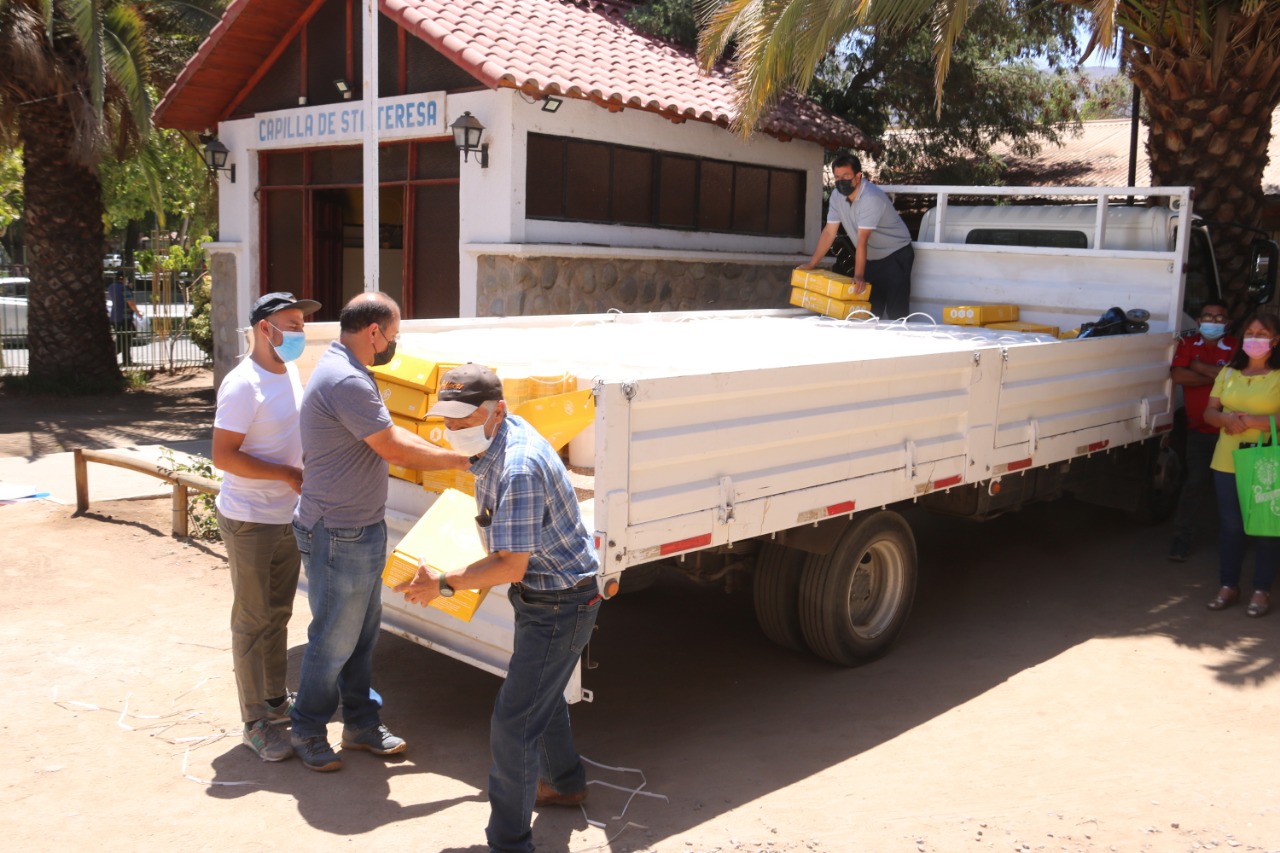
307 187
656 189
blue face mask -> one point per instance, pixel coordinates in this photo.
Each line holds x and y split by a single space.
291 346
1213 330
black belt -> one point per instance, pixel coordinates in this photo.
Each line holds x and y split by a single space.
590 580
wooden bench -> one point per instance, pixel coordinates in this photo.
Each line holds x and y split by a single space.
181 481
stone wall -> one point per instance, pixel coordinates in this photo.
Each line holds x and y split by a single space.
509 286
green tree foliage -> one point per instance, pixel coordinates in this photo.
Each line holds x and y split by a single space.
1108 97
200 324
166 177
10 187
72 85
1207 71
884 83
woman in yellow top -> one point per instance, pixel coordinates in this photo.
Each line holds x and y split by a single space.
1244 397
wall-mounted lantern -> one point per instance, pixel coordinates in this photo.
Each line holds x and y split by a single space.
343 87
467 132
215 156
551 103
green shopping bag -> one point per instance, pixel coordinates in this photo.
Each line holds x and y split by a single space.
1258 485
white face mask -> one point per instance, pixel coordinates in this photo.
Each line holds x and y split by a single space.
469 440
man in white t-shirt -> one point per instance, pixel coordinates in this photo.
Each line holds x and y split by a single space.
257 446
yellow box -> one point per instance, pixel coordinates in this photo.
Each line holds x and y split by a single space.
979 315
1020 326
521 389
826 305
402 473
407 423
406 369
830 284
1069 334
446 539
438 481
403 400
432 429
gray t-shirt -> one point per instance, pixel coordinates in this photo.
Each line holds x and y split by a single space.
344 481
869 207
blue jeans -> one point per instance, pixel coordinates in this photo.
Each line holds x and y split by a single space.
1232 539
344 589
529 734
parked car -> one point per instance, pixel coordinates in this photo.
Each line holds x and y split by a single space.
13 315
13 311
112 261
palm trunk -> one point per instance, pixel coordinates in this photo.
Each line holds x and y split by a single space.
1209 129
68 327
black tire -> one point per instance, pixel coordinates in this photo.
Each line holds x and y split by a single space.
855 601
1163 474
775 588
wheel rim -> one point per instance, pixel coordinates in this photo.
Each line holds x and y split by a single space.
877 587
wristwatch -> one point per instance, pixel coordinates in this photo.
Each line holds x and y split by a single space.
446 591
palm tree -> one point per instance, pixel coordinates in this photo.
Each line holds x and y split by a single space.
1209 71
72 84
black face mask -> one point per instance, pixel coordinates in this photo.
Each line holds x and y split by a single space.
845 188
384 357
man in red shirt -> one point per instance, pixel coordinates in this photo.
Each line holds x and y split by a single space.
1196 362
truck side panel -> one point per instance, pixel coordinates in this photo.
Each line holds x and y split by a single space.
1057 287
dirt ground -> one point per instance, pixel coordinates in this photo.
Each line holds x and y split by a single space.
1060 687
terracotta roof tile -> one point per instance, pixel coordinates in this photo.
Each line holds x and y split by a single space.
571 48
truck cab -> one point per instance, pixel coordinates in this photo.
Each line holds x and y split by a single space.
1137 228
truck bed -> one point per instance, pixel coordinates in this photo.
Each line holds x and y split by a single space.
715 427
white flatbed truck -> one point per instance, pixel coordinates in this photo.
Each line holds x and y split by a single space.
786 444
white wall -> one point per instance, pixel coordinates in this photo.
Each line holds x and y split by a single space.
492 200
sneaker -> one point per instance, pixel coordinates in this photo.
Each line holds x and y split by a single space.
549 796
1179 551
268 742
376 739
280 713
316 753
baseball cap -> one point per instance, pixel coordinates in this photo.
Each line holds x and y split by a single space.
273 302
463 389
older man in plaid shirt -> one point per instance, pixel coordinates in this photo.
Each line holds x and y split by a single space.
532 529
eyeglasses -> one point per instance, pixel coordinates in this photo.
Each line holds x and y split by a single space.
394 340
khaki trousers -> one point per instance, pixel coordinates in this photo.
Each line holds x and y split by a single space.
264 564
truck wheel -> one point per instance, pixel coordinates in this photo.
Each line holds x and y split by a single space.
1161 483
855 600
775 589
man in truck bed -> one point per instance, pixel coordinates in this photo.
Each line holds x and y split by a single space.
884 255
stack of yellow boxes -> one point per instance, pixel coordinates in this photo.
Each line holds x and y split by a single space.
1003 317
408 386
830 294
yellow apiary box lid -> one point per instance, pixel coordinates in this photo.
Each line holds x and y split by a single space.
979 315
1023 326
404 400
830 284
407 369
560 417
446 539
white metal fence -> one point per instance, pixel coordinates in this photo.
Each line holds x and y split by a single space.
162 342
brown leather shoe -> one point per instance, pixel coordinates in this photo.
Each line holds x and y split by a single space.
1226 597
549 796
